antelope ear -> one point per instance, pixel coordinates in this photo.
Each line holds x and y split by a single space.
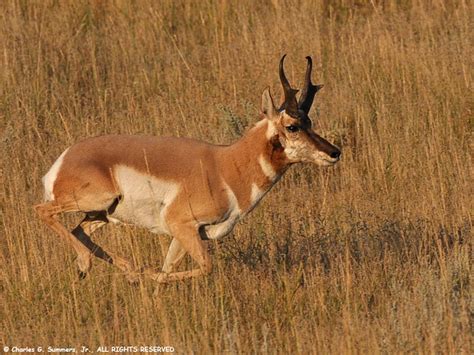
268 107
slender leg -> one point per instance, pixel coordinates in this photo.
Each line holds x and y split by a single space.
83 232
80 241
190 241
174 256
48 213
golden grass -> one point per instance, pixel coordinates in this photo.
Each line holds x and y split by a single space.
373 255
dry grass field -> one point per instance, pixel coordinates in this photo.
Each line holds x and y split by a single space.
373 255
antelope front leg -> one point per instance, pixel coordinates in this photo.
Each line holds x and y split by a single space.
175 255
187 240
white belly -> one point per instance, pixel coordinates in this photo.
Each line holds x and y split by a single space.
145 199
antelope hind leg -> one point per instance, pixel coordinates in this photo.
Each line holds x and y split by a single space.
82 232
79 239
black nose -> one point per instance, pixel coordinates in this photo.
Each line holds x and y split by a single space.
335 154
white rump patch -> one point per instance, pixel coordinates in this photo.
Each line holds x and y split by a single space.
145 199
50 177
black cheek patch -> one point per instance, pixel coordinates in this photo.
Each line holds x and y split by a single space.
276 144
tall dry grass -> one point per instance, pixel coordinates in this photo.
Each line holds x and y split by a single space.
373 255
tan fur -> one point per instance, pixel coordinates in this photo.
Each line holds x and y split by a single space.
182 187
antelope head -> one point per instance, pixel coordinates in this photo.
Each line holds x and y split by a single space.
290 126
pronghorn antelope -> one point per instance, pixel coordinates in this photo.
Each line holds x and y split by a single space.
182 187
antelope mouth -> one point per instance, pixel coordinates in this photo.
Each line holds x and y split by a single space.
325 159
330 161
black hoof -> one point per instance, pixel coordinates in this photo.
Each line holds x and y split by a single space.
133 283
133 279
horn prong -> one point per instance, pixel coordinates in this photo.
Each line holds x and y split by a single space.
290 105
283 79
309 90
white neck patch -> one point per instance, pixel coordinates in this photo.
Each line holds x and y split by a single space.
267 168
234 208
271 130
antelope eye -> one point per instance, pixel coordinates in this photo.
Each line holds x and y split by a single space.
292 128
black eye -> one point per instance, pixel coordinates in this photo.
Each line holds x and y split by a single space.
292 128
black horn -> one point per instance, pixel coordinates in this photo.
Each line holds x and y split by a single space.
290 105
309 90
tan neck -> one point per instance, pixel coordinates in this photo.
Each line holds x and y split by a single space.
252 165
